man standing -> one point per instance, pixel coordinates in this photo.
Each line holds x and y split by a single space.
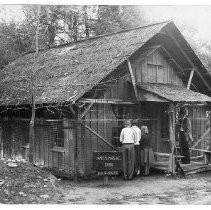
137 147
128 138
185 136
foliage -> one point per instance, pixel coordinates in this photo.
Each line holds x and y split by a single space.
114 18
200 47
61 24
15 39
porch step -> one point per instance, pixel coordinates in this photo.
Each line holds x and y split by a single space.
192 168
196 168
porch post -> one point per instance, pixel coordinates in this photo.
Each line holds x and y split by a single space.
171 167
132 78
1 143
80 144
210 128
190 78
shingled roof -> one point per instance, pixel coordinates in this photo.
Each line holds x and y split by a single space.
71 70
67 72
174 93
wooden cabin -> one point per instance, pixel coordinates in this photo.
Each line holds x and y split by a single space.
85 91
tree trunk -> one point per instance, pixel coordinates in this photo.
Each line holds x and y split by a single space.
32 121
32 133
86 22
75 27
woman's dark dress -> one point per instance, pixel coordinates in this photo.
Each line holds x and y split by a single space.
147 155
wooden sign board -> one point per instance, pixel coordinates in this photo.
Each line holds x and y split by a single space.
107 162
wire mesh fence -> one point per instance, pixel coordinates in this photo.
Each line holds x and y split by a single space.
63 144
67 146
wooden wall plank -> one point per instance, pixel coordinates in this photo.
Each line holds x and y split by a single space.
100 115
150 70
67 151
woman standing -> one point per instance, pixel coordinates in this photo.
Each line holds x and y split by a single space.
147 156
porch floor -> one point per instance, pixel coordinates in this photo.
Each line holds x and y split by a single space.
193 167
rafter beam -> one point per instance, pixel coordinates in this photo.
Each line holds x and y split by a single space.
172 59
104 101
201 138
72 110
187 58
178 66
86 110
132 78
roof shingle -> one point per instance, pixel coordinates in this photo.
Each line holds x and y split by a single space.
174 93
66 73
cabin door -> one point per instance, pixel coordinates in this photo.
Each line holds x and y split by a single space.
148 116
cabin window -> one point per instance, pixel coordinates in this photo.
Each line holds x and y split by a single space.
59 140
155 72
164 122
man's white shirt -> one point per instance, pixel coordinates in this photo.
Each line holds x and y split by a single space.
138 134
128 135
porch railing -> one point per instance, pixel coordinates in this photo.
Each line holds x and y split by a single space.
172 158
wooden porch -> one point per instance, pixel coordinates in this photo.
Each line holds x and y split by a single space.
167 162
192 168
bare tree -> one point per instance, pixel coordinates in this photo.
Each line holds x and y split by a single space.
33 90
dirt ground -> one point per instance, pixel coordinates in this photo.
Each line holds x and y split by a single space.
24 183
155 189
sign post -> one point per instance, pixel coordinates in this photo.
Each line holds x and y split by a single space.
107 163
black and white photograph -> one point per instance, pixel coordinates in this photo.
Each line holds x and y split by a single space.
105 103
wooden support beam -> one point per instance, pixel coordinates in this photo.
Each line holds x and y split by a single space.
206 155
199 170
72 110
104 101
196 157
86 110
81 146
172 124
173 60
171 166
201 150
1 144
205 82
160 154
132 78
115 120
209 145
178 66
190 79
188 59
201 138
105 180
99 136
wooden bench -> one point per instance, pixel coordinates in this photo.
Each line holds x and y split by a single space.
160 154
